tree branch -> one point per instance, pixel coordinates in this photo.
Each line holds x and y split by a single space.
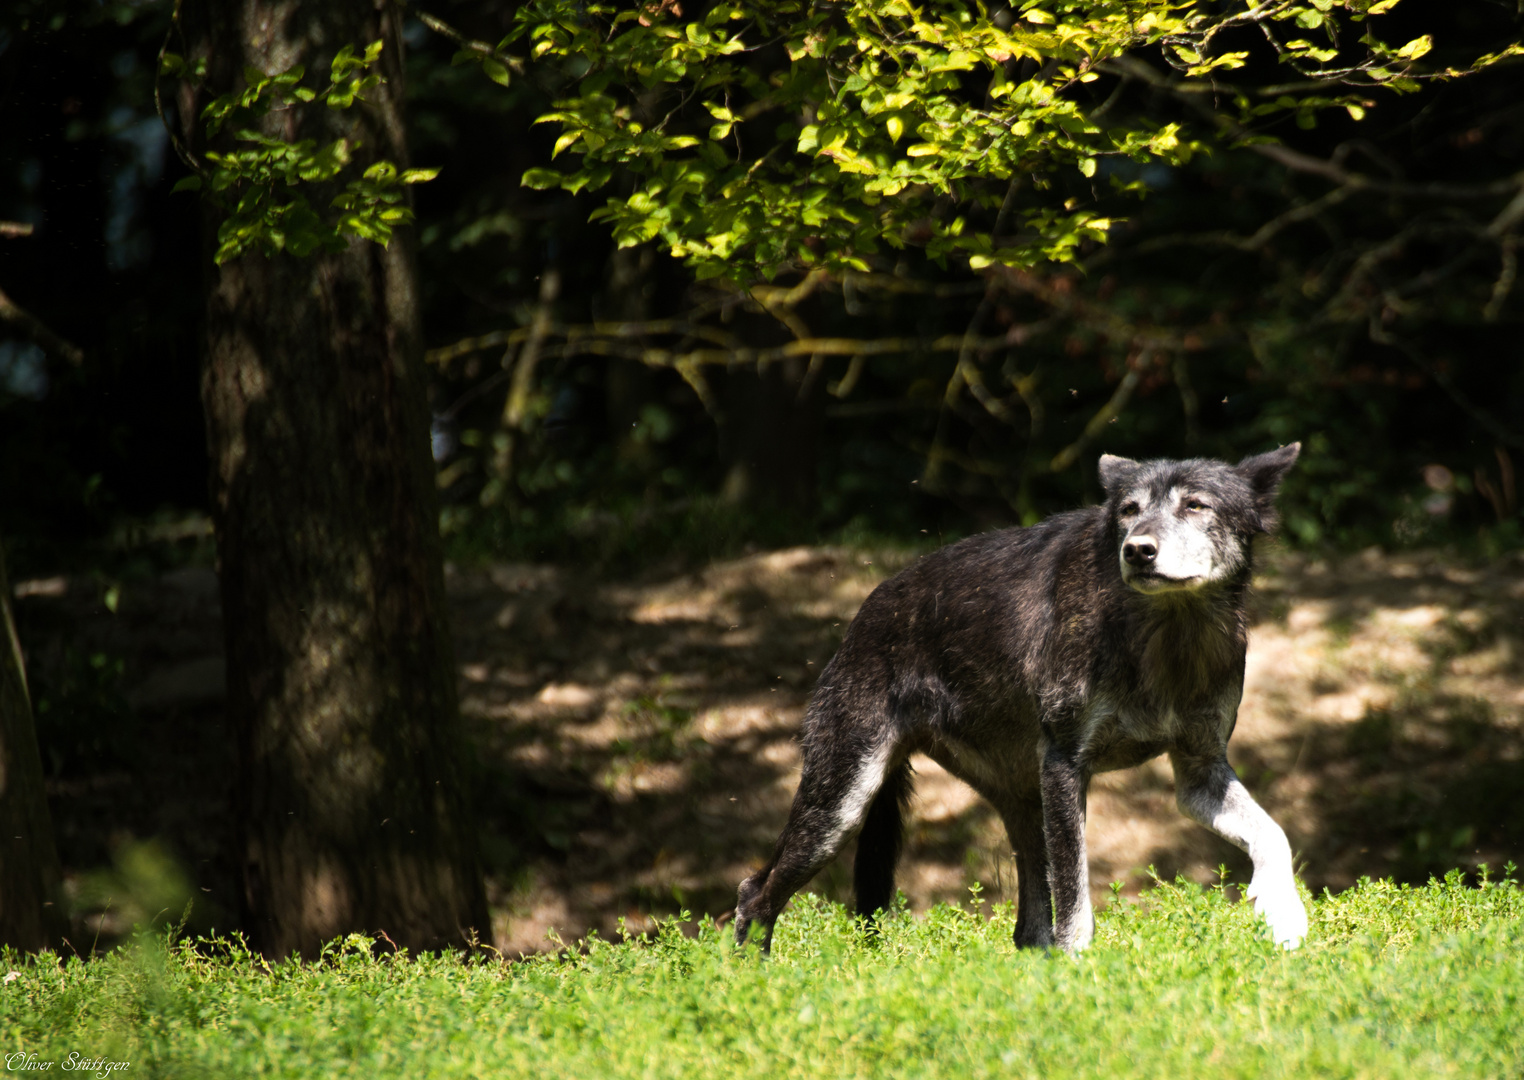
1498 431
38 331
1297 161
480 48
1108 412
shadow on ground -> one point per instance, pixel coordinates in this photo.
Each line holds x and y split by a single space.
635 739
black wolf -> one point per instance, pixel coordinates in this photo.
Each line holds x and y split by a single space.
1025 662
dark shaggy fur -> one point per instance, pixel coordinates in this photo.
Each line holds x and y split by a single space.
1028 660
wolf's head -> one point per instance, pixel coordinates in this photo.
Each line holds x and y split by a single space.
1188 524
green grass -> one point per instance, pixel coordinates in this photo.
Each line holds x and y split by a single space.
1394 981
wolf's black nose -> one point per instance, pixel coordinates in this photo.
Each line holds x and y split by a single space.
1140 551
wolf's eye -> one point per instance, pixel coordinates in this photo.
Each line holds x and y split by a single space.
1129 509
1196 504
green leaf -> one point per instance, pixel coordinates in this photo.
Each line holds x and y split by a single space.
1417 47
541 179
189 183
496 70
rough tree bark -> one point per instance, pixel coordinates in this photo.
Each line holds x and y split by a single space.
352 795
31 914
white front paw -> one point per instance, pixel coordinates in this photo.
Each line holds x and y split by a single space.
1280 905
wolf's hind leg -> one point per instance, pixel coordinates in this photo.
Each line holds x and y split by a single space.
836 789
1210 792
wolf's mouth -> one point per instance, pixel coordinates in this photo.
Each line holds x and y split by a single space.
1151 581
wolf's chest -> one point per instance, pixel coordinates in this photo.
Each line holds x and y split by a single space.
1119 736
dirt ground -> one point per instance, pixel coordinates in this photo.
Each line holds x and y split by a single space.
637 738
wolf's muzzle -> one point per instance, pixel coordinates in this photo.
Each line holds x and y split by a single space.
1140 551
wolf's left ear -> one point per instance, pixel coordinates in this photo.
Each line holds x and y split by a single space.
1265 473
1116 472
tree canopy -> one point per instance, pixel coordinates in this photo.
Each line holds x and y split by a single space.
781 136
971 246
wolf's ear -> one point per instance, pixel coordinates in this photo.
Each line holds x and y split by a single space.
1265 473
1116 472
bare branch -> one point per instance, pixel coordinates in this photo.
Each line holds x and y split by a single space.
1504 283
1300 162
849 380
1488 423
635 329
1108 412
517 405
1510 216
965 372
693 375
780 302
587 341
481 48
38 332
1262 236
182 151
1192 96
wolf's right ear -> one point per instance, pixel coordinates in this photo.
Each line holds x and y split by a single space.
1116 472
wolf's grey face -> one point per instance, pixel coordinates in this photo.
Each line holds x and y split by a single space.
1172 539
1183 525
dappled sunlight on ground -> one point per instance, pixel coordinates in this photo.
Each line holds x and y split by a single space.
655 744
635 740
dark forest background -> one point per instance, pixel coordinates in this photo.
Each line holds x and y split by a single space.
1354 290
615 460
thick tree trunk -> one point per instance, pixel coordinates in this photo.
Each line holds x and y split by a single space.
31 914
352 794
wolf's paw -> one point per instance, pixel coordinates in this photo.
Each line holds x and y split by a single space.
1280 905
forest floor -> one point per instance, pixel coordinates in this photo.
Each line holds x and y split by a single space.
636 738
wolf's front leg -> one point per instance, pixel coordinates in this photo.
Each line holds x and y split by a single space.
1063 828
1211 793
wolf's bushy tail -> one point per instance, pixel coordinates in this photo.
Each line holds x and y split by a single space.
880 841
